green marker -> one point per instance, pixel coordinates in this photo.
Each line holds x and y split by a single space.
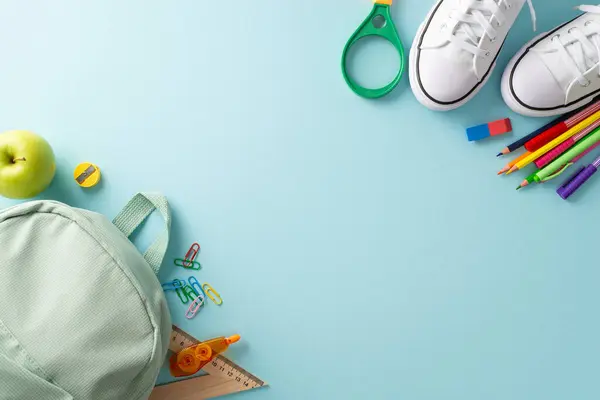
558 166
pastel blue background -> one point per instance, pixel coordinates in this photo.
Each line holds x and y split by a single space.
363 249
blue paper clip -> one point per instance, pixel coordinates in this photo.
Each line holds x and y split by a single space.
190 292
173 285
195 285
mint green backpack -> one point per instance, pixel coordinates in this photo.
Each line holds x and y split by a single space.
82 313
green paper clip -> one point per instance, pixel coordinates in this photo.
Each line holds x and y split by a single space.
378 23
190 292
182 296
187 264
186 294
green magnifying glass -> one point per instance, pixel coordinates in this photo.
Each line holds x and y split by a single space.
378 23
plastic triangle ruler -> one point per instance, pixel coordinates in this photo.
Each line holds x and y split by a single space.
223 376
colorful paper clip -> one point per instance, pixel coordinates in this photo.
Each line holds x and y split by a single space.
191 254
180 262
210 292
194 307
186 294
190 292
195 285
182 296
173 285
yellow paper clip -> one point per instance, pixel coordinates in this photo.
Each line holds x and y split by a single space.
210 292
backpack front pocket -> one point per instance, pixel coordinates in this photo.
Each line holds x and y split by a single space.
21 377
19 383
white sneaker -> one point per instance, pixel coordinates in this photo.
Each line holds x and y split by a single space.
558 71
455 50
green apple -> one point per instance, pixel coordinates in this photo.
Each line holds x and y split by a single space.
26 164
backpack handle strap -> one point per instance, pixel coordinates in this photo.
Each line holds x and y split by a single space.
135 213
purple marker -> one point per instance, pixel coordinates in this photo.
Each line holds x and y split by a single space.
575 181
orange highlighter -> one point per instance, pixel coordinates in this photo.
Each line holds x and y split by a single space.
192 359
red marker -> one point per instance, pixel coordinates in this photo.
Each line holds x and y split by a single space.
560 128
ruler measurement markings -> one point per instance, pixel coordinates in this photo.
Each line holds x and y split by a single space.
221 366
242 370
222 375
231 364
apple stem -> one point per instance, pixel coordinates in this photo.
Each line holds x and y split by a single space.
19 159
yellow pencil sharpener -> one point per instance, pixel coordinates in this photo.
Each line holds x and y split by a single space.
87 175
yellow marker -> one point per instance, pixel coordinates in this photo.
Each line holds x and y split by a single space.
544 149
87 175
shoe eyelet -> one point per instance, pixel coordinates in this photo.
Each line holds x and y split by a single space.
570 31
493 40
587 23
557 36
508 6
487 53
443 27
588 83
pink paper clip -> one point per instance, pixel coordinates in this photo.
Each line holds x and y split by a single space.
194 307
191 255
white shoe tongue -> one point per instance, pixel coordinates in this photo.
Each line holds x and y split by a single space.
563 71
459 30
576 52
457 52
555 64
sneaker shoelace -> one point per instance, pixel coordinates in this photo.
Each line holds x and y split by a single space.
478 18
582 52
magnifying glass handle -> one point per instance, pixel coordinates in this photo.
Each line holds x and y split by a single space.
378 23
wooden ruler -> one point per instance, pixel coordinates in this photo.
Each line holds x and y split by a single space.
223 376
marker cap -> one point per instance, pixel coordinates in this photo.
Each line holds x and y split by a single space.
575 181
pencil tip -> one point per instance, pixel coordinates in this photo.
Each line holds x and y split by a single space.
499 154
510 171
519 187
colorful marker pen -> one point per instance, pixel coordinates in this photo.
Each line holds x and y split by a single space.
578 179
